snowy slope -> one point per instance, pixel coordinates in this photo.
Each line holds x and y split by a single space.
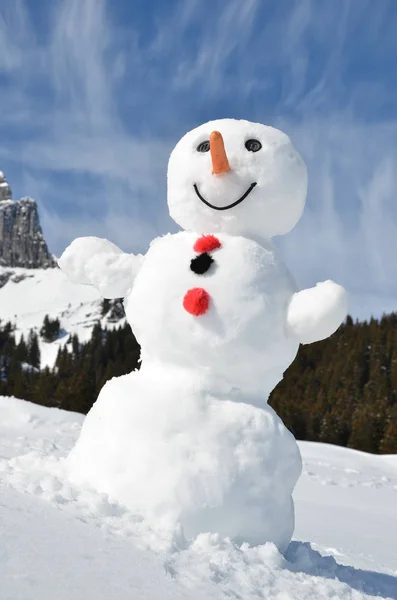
30 294
354 492
63 542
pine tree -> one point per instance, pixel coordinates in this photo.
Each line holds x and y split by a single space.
33 350
44 388
388 444
21 352
50 329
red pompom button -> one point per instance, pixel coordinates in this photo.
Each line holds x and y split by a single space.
196 301
206 243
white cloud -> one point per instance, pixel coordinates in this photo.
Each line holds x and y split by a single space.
219 37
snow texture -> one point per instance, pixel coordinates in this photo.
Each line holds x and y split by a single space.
98 262
63 541
189 440
315 314
162 446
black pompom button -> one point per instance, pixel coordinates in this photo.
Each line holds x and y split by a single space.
201 263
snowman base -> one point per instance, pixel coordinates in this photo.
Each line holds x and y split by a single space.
161 443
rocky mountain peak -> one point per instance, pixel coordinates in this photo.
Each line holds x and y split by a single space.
22 243
5 190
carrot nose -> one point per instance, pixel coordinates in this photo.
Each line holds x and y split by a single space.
220 163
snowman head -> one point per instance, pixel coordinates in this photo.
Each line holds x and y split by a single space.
236 177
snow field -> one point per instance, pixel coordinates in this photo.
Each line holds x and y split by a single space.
72 540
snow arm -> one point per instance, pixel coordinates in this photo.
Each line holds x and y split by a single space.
316 313
98 262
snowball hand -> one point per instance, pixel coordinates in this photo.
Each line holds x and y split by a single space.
316 313
98 262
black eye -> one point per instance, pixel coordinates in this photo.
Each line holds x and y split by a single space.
204 146
253 145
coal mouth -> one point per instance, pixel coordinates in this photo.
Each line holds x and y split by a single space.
243 197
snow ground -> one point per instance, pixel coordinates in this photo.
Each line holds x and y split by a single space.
68 543
31 294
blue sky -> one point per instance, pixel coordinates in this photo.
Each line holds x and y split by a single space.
94 94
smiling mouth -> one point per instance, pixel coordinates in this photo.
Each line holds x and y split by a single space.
243 197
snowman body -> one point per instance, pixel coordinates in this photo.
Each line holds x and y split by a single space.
241 341
159 442
189 438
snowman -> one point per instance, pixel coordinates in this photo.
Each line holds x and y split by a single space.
189 441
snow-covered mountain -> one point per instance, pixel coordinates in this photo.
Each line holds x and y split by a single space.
31 284
62 542
28 295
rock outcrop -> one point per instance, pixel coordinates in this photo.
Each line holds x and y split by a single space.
5 190
21 239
